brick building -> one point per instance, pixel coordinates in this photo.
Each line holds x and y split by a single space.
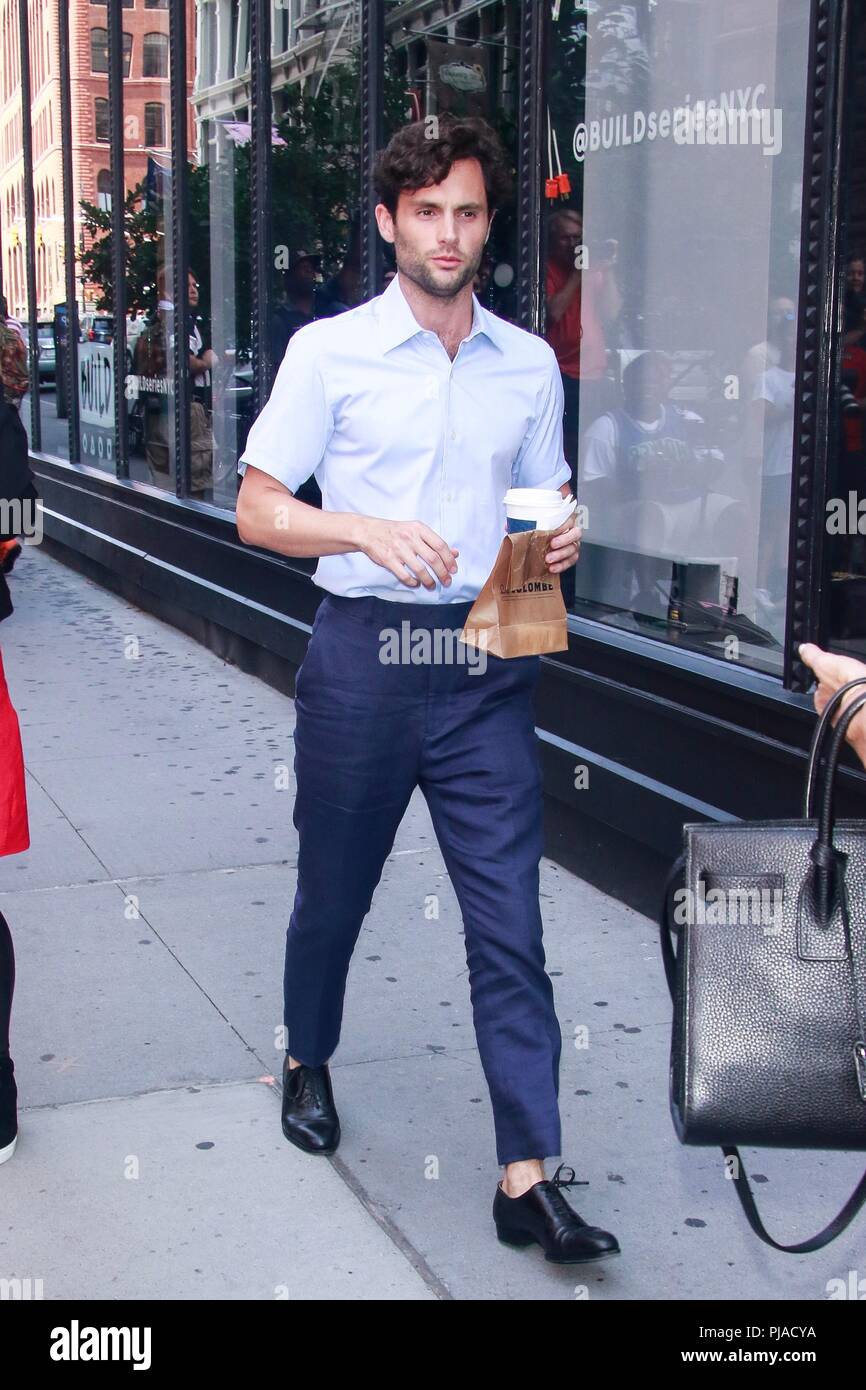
145 124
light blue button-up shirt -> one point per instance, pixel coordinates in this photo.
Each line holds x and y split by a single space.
371 403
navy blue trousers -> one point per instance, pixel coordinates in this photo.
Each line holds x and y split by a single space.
367 733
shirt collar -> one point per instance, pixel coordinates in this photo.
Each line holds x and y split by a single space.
397 323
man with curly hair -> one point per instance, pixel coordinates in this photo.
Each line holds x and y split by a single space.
417 411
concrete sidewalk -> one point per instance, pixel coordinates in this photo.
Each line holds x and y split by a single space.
149 919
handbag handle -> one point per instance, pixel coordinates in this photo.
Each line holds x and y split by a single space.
818 739
841 1221
829 861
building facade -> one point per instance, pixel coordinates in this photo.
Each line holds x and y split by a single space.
145 67
686 232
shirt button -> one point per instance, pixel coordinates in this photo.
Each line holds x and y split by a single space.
453 434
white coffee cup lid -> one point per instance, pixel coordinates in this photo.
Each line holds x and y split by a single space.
548 514
533 496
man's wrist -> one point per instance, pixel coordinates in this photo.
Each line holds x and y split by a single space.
857 737
356 530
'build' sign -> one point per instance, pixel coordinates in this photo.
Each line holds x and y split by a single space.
96 401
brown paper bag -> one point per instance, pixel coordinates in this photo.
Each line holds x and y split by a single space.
520 611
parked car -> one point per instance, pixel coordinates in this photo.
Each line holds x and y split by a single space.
47 352
97 328
46 349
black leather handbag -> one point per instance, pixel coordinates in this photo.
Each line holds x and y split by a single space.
768 980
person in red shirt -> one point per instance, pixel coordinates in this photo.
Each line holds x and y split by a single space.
852 402
579 303
853 368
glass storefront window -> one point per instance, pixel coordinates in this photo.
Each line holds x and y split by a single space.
846 504
220 287
672 176
47 251
150 316
315 157
220 264
671 166
467 65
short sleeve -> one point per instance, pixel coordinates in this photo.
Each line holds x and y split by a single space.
289 436
541 461
764 387
599 449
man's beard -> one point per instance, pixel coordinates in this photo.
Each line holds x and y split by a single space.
417 269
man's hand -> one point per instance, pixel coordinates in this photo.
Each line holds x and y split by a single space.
407 548
564 547
833 672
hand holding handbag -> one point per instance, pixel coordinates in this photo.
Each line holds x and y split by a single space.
769 981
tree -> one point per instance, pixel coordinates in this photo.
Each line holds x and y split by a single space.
142 228
144 220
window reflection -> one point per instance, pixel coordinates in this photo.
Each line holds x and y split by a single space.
49 344
222 324
670 284
468 65
41 343
316 178
846 506
150 319
220 346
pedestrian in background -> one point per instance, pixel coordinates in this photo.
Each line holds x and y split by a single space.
15 482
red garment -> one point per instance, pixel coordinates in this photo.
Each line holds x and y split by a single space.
854 363
14 826
577 337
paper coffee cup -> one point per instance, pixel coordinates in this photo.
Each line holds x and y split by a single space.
536 509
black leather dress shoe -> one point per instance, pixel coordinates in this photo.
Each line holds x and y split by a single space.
310 1119
542 1214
